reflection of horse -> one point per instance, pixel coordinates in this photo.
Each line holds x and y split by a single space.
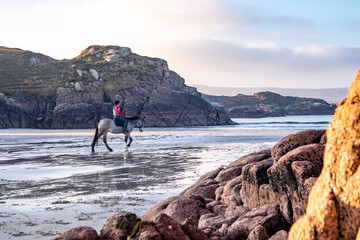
108 125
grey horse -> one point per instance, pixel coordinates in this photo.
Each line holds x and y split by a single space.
108 125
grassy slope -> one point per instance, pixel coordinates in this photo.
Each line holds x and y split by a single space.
20 78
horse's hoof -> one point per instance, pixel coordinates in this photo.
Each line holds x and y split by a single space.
111 150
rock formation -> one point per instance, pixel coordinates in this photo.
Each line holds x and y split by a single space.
334 202
269 104
41 92
258 196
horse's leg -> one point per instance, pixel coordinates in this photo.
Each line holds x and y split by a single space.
105 141
125 141
130 141
96 138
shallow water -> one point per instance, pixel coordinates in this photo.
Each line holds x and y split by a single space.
50 181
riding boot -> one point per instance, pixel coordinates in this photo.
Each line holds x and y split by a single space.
125 127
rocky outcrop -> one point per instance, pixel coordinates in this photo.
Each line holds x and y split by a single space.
269 104
25 112
294 141
334 203
40 92
255 197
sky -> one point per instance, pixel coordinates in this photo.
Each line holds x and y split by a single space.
221 43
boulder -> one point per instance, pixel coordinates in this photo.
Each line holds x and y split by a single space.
79 87
210 175
179 208
144 230
280 235
334 203
231 193
211 222
169 228
288 177
218 192
267 216
158 208
253 176
258 233
187 207
251 158
216 207
293 141
192 231
228 174
204 189
267 195
79 233
119 226
235 212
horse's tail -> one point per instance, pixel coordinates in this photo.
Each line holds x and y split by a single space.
95 137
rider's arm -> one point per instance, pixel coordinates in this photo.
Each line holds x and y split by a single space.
118 110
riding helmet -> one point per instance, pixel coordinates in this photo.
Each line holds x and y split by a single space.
116 102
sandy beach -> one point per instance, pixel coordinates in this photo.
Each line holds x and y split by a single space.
50 181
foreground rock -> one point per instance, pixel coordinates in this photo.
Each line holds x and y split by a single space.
79 233
258 196
119 226
334 203
78 92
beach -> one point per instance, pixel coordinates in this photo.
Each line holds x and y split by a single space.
50 181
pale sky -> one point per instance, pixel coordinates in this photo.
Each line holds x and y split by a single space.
225 43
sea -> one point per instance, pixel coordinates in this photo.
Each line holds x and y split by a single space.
50 181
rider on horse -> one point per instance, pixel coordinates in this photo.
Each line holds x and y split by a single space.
119 116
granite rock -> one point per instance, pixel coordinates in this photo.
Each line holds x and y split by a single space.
334 203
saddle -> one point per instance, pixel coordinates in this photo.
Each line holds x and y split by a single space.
118 123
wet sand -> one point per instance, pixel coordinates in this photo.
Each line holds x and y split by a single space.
50 181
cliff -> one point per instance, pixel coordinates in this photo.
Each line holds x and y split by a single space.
269 104
40 92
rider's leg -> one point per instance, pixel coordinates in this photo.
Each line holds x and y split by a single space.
125 125
124 122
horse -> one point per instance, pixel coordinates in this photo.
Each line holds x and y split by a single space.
108 125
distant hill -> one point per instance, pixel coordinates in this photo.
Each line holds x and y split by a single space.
269 104
331 95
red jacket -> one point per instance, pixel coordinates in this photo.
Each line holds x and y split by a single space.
117 108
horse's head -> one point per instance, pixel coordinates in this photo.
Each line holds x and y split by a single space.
141 128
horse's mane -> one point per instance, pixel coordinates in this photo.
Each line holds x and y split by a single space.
134 118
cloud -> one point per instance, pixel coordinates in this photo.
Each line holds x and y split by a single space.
219 63
211 42
57 28
252 22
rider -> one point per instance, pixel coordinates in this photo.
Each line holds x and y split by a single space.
119 116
